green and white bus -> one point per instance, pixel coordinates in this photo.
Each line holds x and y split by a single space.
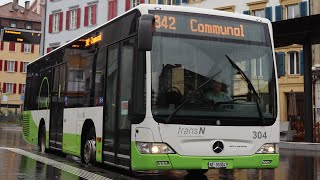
160 88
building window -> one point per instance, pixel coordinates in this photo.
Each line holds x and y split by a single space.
9 88
293 62
13 24
56 23
293 11
73 19
24 69
10 66
259 67
91 15
23 89
27 48
28 26
259 13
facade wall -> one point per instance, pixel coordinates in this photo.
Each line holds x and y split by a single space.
17 77
18 53
20 24
37 6
53 40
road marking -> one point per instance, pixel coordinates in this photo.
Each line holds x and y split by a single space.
65 167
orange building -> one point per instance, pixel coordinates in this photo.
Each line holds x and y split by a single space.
14 56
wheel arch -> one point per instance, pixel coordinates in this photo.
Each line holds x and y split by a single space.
88 123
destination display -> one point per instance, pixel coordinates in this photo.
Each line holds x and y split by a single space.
21 36
209 25
87 42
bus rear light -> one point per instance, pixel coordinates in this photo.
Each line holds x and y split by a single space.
267 149
154 148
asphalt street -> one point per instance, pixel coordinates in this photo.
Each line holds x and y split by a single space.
20 160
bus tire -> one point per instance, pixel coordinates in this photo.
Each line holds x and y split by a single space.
42 139
89 148
197 171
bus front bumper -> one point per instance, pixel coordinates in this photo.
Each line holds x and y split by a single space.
144 162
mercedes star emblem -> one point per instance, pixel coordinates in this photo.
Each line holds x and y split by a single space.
217 147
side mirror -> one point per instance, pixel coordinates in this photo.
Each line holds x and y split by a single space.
145 31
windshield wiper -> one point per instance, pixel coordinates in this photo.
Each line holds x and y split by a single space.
184 100
244 76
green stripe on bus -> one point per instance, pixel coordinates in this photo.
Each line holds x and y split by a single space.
99 151
175 161
29 128
71 144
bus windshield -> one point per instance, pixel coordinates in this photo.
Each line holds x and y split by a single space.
181 63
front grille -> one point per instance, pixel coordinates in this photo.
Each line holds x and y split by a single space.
26 124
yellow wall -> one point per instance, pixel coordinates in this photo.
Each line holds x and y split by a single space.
15 77
288 82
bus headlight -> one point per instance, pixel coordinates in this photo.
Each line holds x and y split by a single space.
154 148
267 149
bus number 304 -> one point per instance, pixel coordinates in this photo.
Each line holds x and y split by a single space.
259 135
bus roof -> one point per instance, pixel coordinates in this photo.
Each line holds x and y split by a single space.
144 8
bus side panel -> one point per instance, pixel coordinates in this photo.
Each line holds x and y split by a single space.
30 127
70 138
45 115
73 121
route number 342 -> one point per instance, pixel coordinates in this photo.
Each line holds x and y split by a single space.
259 135
165 22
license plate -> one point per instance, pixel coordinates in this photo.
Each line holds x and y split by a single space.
217 164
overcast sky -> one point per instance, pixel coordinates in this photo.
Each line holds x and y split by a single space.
21 2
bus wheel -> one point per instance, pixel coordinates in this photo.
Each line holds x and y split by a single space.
89 148
42 139
198 171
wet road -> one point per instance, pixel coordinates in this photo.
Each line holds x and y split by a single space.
20 161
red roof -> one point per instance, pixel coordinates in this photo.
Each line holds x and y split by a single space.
6 11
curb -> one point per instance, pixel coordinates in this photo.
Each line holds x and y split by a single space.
300 146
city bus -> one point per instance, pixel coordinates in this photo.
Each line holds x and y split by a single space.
160 88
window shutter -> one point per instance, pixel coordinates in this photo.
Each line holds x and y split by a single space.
4 88
78 17
141 1
268 12
246 12
21 66
68 20
278 13
281 64
301 62
22 47
32 48
0 65
161 1
20 88
5 65
16 66
61 21
94 14
2 45
50 22
112 11
127 5
303 8
12 46
86 16
14 88
48 50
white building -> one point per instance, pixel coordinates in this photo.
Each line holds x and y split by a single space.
67 20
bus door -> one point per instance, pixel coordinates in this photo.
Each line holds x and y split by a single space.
57 106
117 127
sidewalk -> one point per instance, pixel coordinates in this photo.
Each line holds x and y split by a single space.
299 145
10 126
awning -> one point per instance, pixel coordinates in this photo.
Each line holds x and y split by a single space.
294 31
